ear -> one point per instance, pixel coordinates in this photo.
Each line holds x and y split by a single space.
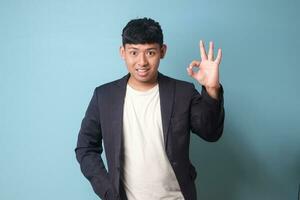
122 52
163 51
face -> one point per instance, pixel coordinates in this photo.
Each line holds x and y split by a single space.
142 61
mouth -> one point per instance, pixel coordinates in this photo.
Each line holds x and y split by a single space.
142 71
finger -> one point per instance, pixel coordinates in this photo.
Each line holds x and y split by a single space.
190 71
194 63
211 51
202 51
219 56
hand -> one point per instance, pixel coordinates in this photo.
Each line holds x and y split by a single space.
208 68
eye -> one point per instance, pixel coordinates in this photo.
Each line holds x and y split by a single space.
151 53
133 53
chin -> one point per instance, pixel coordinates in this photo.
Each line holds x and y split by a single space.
144 80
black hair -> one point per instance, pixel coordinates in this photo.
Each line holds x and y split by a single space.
142 31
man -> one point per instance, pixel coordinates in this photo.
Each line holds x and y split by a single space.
144 120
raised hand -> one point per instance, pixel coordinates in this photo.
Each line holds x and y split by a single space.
208 69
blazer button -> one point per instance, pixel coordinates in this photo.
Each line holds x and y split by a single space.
174 163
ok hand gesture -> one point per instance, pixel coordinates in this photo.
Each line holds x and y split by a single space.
208 69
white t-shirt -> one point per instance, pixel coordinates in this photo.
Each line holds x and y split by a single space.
146 170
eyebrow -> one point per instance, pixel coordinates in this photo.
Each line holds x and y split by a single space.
152 48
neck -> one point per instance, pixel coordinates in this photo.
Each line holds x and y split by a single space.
142 86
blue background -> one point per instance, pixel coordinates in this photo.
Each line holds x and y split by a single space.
54 53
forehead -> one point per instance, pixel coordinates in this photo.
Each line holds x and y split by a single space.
142 46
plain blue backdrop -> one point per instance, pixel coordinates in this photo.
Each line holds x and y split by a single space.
54 53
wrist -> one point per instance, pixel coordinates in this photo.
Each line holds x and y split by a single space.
213 91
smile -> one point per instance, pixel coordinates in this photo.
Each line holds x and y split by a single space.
142 70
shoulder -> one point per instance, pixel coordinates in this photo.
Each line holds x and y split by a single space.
179 84
112 86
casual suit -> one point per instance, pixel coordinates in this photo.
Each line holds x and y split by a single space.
183 109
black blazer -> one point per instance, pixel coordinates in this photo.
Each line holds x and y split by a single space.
183 110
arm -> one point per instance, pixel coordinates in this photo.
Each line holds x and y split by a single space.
207 110
89 150
207 115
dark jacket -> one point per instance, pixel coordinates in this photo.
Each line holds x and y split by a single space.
183 109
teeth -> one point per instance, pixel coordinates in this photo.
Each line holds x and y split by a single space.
142 70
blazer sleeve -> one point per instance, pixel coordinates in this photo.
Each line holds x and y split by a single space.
207 115
89 149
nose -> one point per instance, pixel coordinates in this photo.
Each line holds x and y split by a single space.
143 60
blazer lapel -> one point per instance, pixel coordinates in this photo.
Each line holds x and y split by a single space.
166 93
117 115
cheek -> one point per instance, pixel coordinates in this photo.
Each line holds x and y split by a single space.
130 63
154 63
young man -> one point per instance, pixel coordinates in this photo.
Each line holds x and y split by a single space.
144 120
